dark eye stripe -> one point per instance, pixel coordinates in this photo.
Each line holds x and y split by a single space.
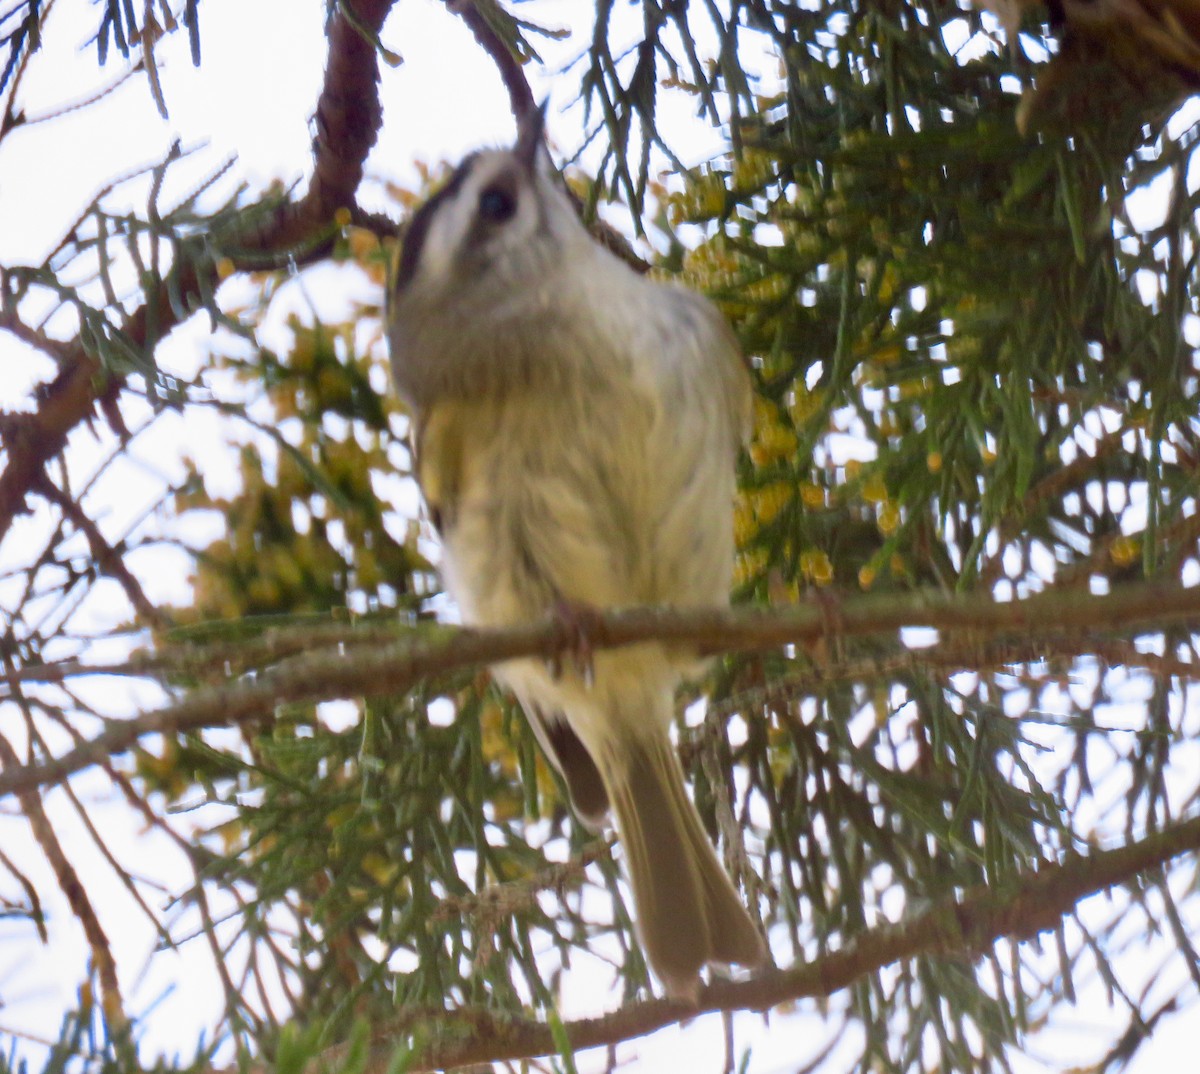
418 224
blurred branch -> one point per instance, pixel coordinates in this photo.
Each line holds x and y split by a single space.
107 558
983 915
85 102
946 658
73 890
349 114
499 901
197 659
507 62
32 337
420 654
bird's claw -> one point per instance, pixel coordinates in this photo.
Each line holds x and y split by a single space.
578 624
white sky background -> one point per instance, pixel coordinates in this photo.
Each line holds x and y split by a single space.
252 97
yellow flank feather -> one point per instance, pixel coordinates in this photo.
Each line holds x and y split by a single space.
439 456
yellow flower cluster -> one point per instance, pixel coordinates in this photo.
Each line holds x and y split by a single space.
813 496
888 519
770 500
369 253
754 170
775 450
702 199
773 442
816 566
710 265
804 404
897 566
744 525
769 288
875 492
1124 550
749 566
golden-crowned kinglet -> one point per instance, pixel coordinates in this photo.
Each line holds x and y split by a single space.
576 427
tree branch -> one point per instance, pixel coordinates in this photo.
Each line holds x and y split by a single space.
425 652
73 890
983 915
349 113
520 96
108 558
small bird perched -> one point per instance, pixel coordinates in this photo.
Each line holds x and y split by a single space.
576 427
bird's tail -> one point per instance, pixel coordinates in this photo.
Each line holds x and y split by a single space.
688 912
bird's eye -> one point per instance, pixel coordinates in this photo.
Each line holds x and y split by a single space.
497 204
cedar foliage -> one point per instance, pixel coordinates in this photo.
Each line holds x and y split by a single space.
976 375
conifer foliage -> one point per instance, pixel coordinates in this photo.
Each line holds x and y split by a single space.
950 749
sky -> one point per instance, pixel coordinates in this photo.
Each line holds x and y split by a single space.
252 98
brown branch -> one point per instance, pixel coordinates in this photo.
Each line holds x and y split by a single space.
36 913
12 118
32 440
397 667
500 901
507 62
183 654
201 662
984 656
107 558
85 816
1019 910
347 119
1062 479
31 337
349 114
73 890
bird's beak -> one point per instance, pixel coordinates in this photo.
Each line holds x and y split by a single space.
531 128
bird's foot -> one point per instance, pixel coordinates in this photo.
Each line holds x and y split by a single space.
828 646
578 624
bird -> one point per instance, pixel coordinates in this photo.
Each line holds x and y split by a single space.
576 427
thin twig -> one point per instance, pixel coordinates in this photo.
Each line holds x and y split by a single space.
35 904
126 878
73 891
28 335
58 111
107 558
507 62
501 900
